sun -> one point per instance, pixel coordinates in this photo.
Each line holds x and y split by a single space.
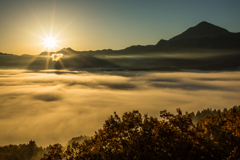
50 42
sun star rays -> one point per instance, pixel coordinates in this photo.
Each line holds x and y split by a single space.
50 40
50 43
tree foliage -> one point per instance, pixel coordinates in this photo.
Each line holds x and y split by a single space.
28 151
200 115
171 137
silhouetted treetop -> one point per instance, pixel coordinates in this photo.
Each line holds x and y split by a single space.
134 136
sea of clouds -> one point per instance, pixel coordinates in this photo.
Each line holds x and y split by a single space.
54 106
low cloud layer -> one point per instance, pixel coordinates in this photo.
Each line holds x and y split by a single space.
54 106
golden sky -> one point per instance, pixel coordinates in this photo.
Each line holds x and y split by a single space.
93 25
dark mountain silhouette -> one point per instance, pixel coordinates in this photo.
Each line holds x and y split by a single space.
202 36
204 46
137 49
203 29
71 60
11 61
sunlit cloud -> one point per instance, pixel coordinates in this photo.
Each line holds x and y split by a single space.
56 57
54 106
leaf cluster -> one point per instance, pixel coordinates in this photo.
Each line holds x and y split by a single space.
134 136
28 151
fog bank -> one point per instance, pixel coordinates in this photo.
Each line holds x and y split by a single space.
54 106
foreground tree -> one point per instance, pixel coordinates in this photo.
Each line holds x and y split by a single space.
28 151
172 137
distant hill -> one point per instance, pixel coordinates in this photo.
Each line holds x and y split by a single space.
11 61
202 36
203 29
202 47
71 60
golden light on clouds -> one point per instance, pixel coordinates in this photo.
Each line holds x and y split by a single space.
54 106
56 57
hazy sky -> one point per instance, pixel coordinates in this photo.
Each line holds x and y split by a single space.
95 24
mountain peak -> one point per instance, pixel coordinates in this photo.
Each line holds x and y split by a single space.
204 23
208 26
203 29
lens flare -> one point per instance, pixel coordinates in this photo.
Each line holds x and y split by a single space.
50 43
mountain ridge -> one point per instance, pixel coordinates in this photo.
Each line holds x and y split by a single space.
202 47
202 29
202 36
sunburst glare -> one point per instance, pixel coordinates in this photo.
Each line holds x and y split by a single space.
50 43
